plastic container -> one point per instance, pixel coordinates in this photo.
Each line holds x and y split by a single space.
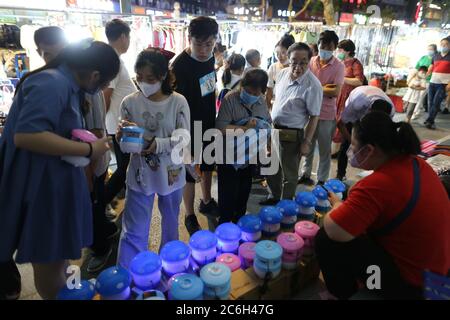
132 140
263 270
268 253
175 257
232 261
307 202
251 226
203 244
292 245
247 254
84 291
307 230
145 269
271 220
228 235
336 186
80 135
290 210
172 279
114 284
186 287
323 205
216 278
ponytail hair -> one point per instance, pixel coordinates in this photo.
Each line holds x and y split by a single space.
84 57
235 62
378 129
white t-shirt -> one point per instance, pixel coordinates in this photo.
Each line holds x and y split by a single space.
232 85
122 86
296 100
160 120
274 71
413 95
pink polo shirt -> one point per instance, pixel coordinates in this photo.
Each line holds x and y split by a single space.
332 73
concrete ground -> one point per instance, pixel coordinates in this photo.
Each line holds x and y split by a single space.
314 291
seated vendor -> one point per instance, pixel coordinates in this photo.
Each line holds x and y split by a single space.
394 222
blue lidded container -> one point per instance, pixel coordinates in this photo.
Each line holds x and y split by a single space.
145 269
271 220
336 186
114 284
132 140
251 227
290 210
267 258
228 235
307 202
186 287
203 244
175 257
217 280
323 205
84 291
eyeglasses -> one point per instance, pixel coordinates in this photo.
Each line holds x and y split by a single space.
299 65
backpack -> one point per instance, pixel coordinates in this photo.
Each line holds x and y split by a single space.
223 93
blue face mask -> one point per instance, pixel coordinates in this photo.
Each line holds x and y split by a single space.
247 98
430 53
444 50
325 54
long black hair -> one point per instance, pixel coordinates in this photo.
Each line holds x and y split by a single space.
378 129
158 61
84 57
234 62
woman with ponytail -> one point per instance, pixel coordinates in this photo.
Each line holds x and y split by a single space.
46 216
394 224
232 73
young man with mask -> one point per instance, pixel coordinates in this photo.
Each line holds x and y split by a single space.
295 113
330 72
440 78
118 34
196 80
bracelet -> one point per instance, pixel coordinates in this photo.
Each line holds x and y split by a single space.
90 150
308 141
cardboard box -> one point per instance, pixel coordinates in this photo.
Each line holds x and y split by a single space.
243 286
288 283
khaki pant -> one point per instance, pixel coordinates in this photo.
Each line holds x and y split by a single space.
284 183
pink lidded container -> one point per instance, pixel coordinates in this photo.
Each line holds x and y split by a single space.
247 254
231 260
307 230
80 135
292 245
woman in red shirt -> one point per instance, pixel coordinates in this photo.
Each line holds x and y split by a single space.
354 77
397 219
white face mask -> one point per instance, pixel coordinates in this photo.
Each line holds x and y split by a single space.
149 89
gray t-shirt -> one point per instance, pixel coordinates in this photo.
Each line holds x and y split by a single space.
95 119
232 110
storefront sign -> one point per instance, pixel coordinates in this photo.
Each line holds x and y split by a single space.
94 5
27 4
